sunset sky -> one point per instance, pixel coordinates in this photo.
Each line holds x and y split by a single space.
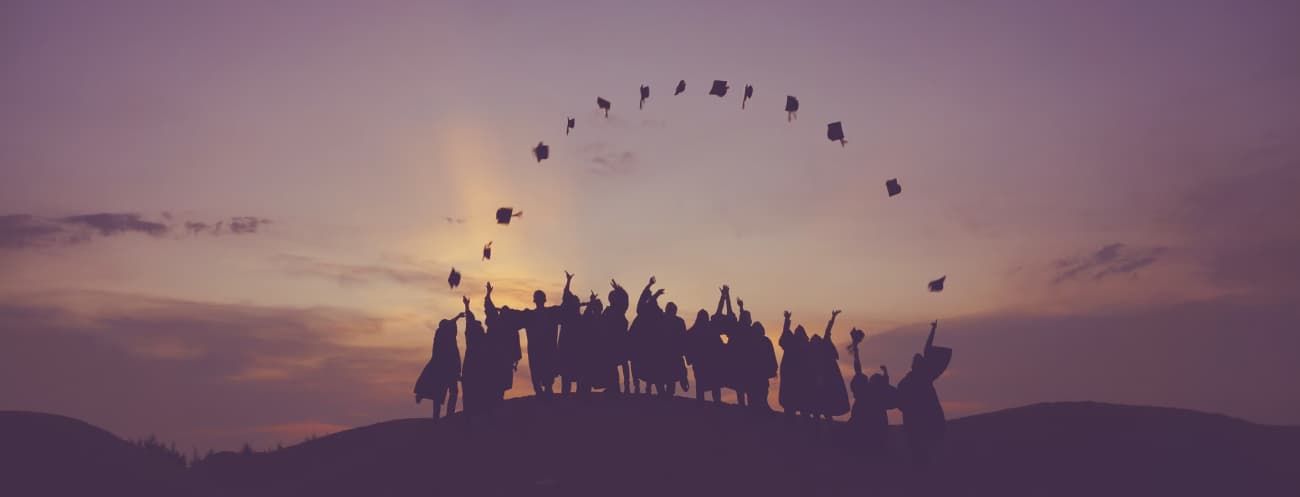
1111 188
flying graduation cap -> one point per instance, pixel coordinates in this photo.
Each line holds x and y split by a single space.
568 126
835 133
487 251
454 278
645 93
791 107
504 215
681 87
893 187
937 285
603 104
541 151
749 93
719 88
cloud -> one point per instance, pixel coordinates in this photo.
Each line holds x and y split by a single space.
506 291
27 231
454 220
608 162
1112 259
202 374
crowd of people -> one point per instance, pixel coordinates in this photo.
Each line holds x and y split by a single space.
591 347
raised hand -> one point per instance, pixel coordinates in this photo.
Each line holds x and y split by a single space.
652 281
568 276
835 313
787 315
613 284
740 303
659 292
465 300
489 288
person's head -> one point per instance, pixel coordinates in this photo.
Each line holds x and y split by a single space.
745 319
446 325
671 309
594 307
801 333
758 330
815 340
876 379
701 317
918 361
618 299
539 298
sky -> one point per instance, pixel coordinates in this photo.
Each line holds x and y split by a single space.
229 222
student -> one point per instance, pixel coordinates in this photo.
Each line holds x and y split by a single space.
703 348
795 376
476 373
438 380
923 418
872 399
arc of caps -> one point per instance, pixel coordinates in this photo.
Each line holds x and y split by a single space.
603 105
835 132
681 87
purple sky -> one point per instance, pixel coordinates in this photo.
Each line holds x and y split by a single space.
1109 186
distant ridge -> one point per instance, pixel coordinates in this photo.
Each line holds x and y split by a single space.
646 446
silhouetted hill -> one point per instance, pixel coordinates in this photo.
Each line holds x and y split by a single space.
642 446
46 454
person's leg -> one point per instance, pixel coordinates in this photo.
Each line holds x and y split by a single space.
453 394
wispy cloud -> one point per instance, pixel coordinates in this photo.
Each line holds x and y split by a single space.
27 231
1110 260
607 161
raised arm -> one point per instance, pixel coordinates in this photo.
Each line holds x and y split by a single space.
468 313
726 294
929 341
831 324
722 295
857 362
568 283
490 308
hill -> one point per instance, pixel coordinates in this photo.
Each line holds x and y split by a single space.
642 446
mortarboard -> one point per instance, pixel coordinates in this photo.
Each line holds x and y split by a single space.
719 88
937 285
791 107
568 126
749 93
454 278
504 215
835 133
603 104
681 87
541 151
487 251
893 187
645 93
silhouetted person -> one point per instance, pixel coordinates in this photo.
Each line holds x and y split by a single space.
670 352
923 419
476 374
542 327
830 397
725 325
872 399
503 327
703 350
614 335
597 371
438 380
641 337
762 365
796 377
570 341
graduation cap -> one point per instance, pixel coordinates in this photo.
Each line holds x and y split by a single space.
835 133
791 107
505 213
892 187
719 88
681 87
568 126
454 278
937 285
645 93
541 151
749 93
603 104
487 251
